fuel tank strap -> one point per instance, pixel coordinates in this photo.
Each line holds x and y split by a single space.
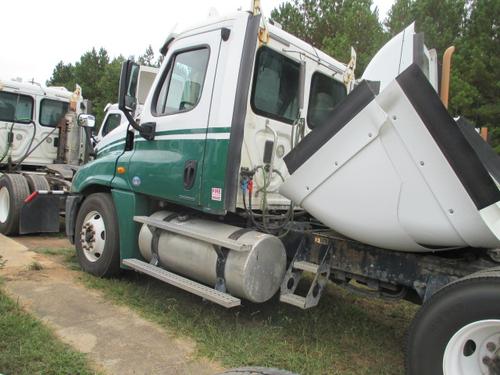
238 233
220 266
156 238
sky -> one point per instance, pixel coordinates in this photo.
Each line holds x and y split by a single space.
37 34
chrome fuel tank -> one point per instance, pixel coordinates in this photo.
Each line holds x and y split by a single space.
255 275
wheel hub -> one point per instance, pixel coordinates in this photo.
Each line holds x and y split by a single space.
4 204
93 236
474 349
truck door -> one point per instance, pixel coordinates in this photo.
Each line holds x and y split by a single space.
170 167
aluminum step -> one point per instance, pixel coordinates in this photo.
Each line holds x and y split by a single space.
294 299
181 282
186 230
306 266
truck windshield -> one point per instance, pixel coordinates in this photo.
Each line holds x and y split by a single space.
51 112
112 122
275 86
324 96
15 107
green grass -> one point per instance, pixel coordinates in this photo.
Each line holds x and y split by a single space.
28 347
344 335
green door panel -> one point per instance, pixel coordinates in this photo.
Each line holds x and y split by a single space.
128 205
157 169
214 173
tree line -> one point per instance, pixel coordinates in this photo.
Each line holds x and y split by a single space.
98 74
335 25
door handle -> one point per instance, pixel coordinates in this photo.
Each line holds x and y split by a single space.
189 174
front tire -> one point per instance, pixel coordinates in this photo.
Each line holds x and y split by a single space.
13 191
457 332
97 236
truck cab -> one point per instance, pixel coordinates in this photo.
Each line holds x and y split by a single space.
214 117
29 113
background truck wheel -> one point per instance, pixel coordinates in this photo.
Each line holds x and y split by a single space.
457 332
256 371
96 236
37 182
13 191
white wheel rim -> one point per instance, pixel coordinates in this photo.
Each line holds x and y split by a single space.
93 236
4 204
474 349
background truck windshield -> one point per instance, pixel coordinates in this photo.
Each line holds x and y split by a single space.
51 112
15 107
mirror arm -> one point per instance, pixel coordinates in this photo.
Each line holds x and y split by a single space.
89 138
146 132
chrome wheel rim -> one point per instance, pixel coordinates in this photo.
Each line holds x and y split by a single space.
93 236
4 204
474 349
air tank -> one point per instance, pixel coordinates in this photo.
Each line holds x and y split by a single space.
255 275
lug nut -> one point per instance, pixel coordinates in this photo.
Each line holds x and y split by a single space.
491 346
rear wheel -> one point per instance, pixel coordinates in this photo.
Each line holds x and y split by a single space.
457 332
97 237
37 182
13 191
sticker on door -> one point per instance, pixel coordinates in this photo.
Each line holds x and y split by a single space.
216 194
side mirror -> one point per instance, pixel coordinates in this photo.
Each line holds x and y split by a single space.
129 76
86 121
127 100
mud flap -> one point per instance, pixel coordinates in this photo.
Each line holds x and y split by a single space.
41 214
394 170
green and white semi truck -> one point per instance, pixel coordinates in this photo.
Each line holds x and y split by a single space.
258 159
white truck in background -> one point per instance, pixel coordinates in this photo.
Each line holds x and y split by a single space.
41 147
45 136
114 117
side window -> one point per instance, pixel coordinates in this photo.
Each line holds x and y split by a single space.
183 83
51 112
112 122
324 96
15 107
275 86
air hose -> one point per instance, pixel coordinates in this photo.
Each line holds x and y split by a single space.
29 146
10 138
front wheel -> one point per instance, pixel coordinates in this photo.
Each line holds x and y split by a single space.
457 332
97 237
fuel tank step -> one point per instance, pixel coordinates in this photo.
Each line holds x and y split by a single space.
306 266
186 230
297 267
181 282
294 299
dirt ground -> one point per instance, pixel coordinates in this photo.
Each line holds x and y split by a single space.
35 242
115 339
